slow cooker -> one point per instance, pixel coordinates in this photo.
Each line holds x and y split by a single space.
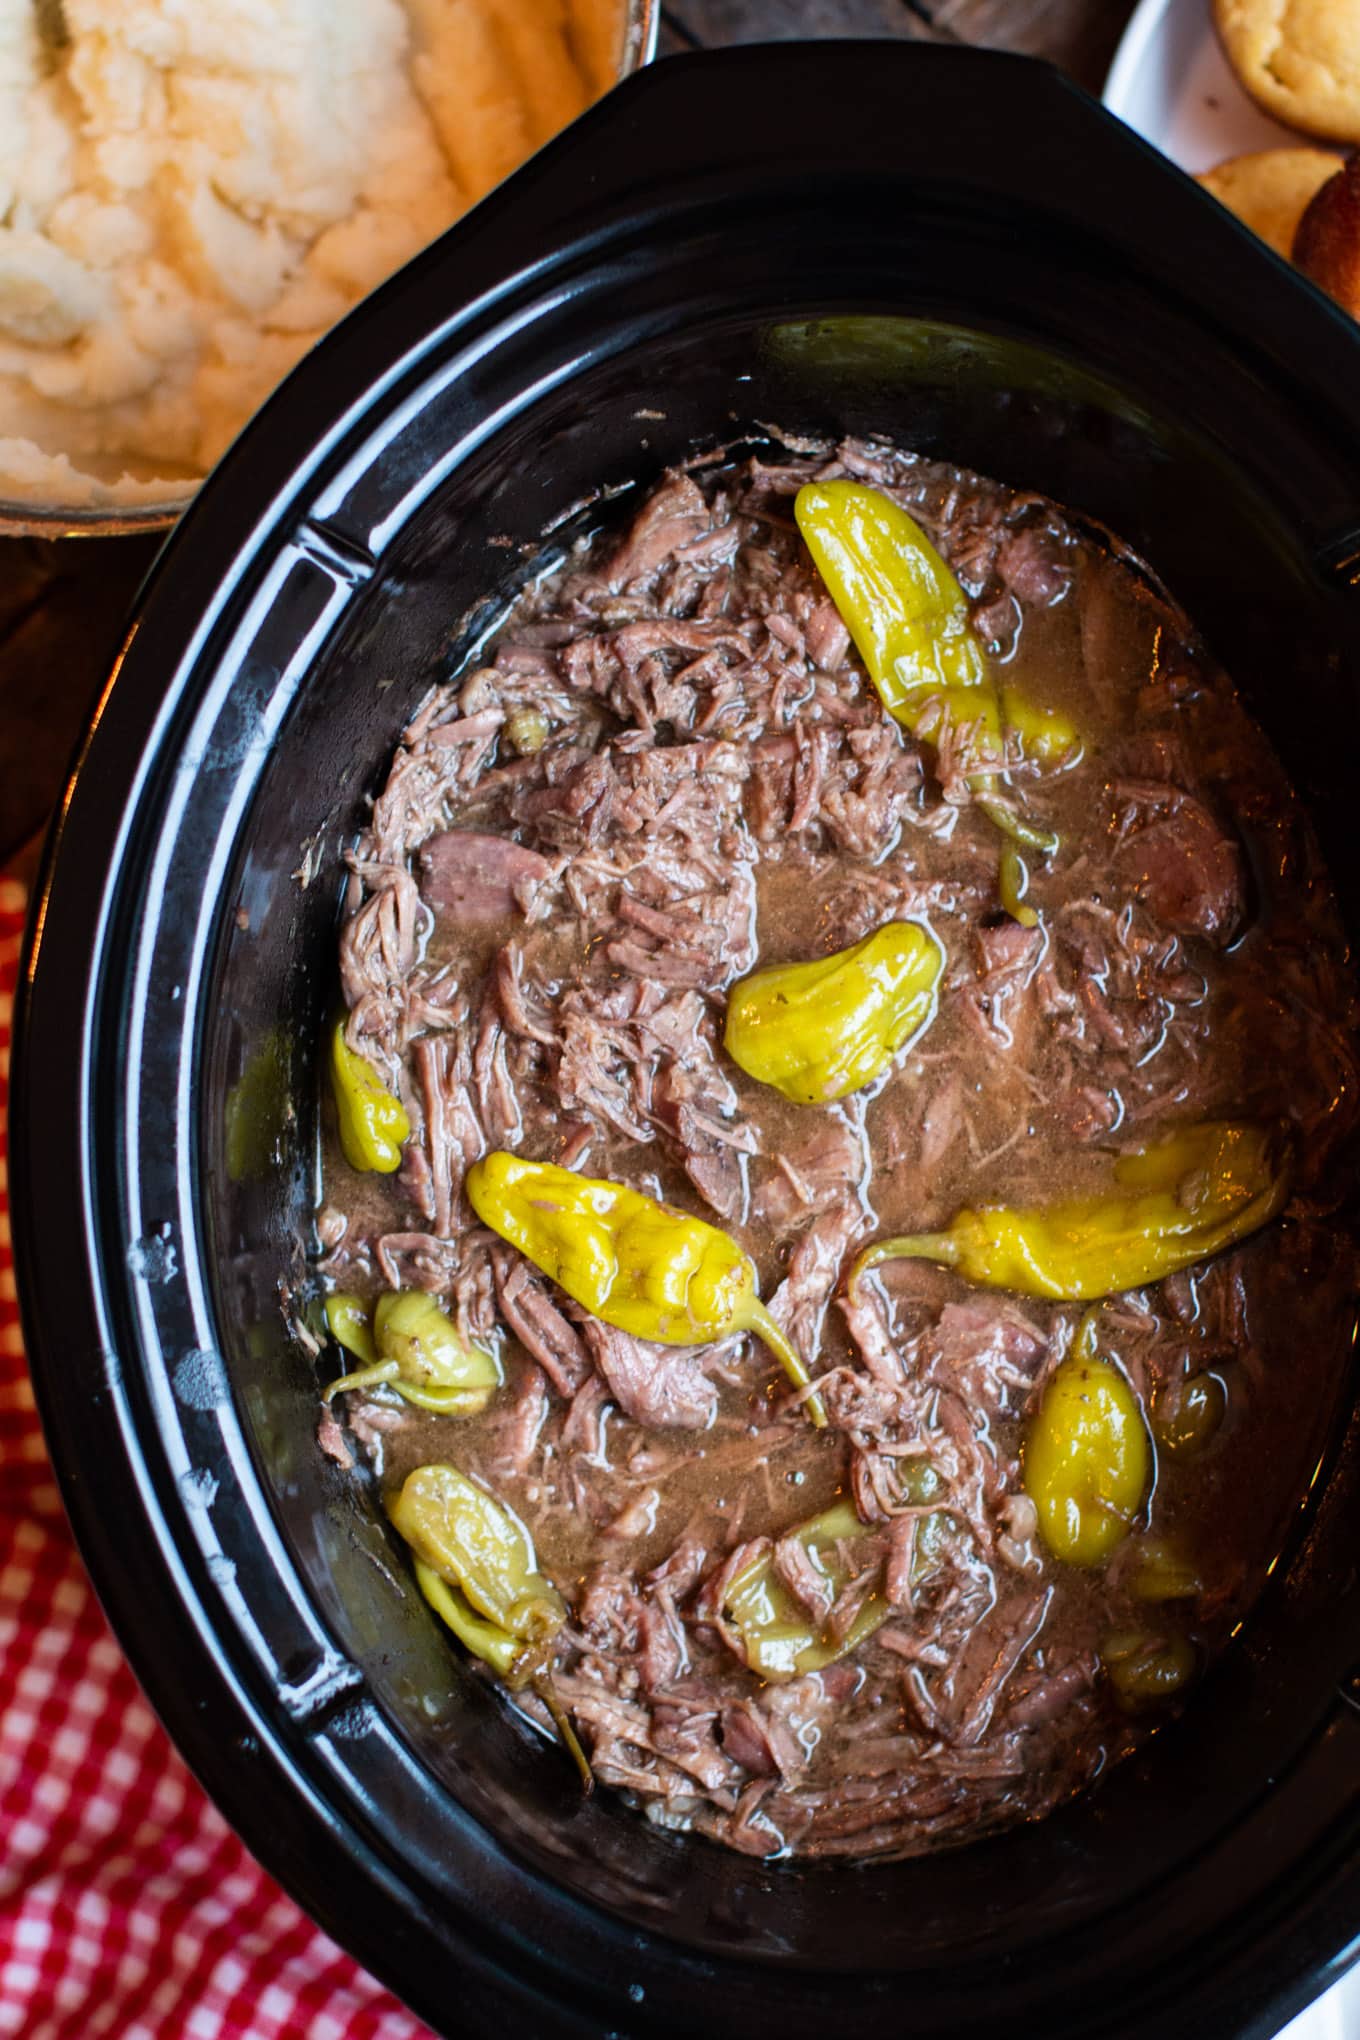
957 249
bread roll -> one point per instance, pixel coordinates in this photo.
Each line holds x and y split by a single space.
1327 244
1270 190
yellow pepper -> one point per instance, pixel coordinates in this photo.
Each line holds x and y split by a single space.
819 1030
1042 733
412 1346
779 1638
373 1124
908 616
1201 1189
1086 1455
350 1322
902 606
478 1547
641 1266
476 1565
1164 1571
1145 1670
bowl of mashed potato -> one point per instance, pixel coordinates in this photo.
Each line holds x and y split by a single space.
193 191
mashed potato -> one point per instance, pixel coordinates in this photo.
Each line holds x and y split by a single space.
192 191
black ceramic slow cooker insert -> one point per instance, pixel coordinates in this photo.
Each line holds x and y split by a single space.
1048 302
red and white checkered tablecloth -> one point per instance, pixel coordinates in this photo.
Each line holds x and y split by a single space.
128 1907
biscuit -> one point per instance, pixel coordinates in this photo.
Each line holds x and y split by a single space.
1270 190
1327 245
1299 59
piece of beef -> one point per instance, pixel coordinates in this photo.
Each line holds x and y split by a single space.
1185 867
545 1334
518 1424
474 876
449 1133
987 1348
993 1653
1002 1000
664 1387
943 1123
674 516
331 1440
778 1734
869 782
826 637
800 1302
805 1579
696 1102
1046 1696
378 951
1033 561
416 1260
811 1174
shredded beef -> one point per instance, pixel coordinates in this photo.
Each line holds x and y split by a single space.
664 1387
476 876
536 954
1177 859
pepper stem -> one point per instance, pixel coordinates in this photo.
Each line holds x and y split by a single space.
936 1247
363 1377
758 1320
1014 826
1012 881
543 1686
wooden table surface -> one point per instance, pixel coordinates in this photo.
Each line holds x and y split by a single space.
62 604
1078 34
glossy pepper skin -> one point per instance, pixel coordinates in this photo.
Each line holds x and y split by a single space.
408 1343
641 1266
373 1124
1147 1670
1191 1195
1044 734
902 606
1086 1454
482 1553
476 1565
777 1636
817 1031
908 616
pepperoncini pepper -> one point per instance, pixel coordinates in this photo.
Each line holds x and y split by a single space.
350 1322
778 1637
1044 734
818 1030
901 604
1188 1196
373 1124
1086 1456
1163 1570
641 1266
412 1346
476 1565
1145 1670
908 616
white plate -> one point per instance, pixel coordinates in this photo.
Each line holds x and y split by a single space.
1172 83
1334 2017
